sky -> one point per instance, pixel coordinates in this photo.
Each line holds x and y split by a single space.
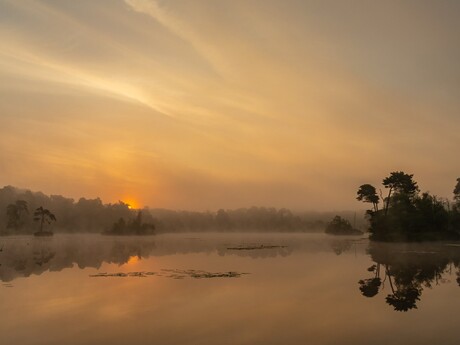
210 104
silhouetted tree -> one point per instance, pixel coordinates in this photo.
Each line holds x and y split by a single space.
140 228
455 211
43 215
132 227
368 193
431 214
14 211
118 228
399 182
457 191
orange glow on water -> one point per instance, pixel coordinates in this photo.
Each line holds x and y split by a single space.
133 260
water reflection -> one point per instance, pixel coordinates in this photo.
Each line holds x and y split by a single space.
408 269
109 290
26 256
400 272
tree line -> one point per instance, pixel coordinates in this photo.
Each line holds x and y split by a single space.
93 216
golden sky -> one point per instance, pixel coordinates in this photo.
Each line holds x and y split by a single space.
206 104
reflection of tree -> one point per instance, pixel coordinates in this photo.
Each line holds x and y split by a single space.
43 256
409 268
21 256
340 246
370 287
405 298
28 256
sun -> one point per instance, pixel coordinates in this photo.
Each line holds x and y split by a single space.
132 203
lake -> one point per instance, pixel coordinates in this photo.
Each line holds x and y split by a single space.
227 289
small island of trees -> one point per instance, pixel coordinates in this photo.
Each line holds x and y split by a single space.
408 215
341 226
131 227
42 216
16 217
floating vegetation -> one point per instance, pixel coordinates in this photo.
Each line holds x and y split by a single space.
180 274
172 273
262 246
421 252
123 275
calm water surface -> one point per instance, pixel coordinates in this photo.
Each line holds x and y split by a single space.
227 289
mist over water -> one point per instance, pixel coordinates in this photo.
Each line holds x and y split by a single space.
206 288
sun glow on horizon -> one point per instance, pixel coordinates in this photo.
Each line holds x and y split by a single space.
132 203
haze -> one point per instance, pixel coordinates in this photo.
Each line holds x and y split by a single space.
208 104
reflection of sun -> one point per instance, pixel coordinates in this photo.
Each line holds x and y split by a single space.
132 260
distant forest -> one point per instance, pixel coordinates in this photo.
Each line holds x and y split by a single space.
93 216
